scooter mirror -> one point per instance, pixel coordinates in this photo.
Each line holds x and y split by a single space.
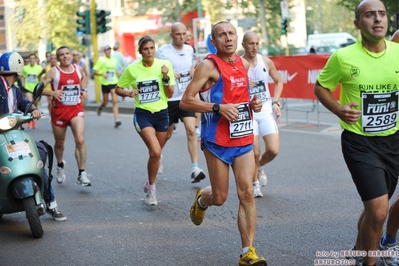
37 91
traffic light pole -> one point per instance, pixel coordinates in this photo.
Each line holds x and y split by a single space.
95 47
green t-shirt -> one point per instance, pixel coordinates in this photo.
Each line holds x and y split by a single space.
371 80
30 75
148 80
107 65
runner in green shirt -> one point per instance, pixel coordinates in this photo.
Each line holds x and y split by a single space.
31 75
368 72
105 68
152 81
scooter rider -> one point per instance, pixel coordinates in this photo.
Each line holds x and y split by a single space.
11 100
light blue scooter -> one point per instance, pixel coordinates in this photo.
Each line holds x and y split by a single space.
21 170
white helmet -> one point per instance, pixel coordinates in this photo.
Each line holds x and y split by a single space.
11 62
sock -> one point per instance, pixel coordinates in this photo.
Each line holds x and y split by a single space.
60 165
256 183
151 187
245 250
81 170
199 203
194 167
387 240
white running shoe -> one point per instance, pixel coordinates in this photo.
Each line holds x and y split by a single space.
60 173
83 180
257 192
197 175
262 177
151 197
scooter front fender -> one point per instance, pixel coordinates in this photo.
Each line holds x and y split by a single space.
24 187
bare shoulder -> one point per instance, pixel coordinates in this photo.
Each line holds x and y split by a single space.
245 63
395 37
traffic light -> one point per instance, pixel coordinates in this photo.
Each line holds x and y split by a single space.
102 21
83 22
284 25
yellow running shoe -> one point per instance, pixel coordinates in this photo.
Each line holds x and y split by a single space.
197 214
251 259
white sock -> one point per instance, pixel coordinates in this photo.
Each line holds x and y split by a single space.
245 250
199 203
256 183
152 187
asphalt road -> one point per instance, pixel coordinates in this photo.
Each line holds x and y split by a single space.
310 204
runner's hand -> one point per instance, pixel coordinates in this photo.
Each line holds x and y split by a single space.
255 104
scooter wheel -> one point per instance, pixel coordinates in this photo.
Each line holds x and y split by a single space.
33 217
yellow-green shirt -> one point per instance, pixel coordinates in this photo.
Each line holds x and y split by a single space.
107 65
148 80
31 76
372 81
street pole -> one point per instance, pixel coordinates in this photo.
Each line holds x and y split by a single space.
95 47
199 8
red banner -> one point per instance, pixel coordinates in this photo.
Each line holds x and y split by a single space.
299 74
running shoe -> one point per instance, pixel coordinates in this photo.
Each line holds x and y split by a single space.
83 180
151 197
262 177
197 175
357 259
391 249
257 192
250 259
99 111
60 174
197 214
57 214
117 124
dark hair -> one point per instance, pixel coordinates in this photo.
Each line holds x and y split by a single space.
33 55
144 40
57 52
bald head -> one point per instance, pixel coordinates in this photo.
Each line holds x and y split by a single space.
178 34
178 26
365 3
249 36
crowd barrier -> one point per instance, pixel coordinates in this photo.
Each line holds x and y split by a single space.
299 74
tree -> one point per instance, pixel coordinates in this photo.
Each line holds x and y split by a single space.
54 19
392 12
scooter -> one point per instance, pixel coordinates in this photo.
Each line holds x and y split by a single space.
21 169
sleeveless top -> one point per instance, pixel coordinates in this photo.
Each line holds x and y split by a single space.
231 87
69 82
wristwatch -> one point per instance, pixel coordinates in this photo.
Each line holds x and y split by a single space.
216 108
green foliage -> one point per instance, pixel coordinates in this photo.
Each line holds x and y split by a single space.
56 19
392 12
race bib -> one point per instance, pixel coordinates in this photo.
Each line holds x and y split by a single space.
379 111
72 94
243 126
183 81
110 75
260 90
32 78
148 91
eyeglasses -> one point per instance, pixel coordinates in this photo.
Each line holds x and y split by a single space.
75 54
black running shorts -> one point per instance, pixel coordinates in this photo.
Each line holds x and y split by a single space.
175 113
373 163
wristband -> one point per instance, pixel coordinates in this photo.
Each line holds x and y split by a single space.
276 102
166 80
